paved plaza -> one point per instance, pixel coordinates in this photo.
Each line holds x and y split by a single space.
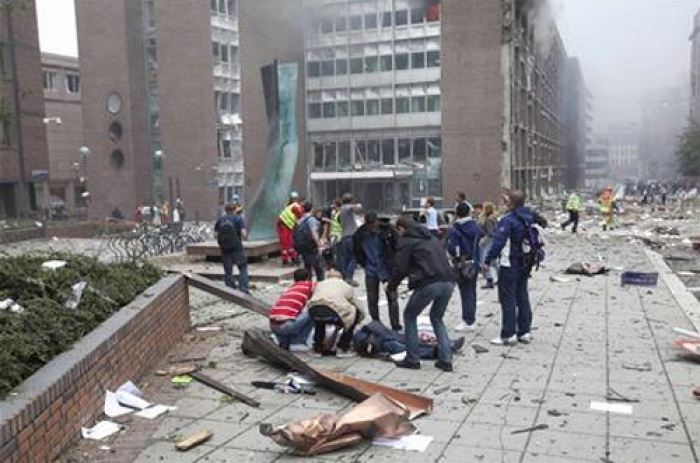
593 338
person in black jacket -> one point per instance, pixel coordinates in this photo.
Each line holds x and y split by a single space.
374 244
421 257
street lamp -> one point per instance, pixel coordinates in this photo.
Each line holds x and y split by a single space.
84 153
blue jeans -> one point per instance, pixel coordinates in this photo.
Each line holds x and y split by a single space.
439 294
490 276
294 331
467 294
313 263
347 260
515 301
229 259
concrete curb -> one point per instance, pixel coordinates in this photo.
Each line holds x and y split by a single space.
683 297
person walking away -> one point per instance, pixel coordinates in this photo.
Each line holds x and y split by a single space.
375 247
421 257
573 207
289 322
463 246
664 192
349 225
230 232
285 224
488 222
607 208
335 233
431 216
307 242
461 197
514 271
334 303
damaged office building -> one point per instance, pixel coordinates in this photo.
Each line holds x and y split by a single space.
414 98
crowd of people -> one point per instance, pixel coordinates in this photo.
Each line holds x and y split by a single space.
330 243
160 213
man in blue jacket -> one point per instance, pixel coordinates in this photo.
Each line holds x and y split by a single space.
513 274
463 245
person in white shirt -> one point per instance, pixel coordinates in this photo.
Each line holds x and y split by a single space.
431 215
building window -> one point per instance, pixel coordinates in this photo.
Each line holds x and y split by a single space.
331 156
216 51
401 18
117 159
402 105
419 150
434 104
372 64
386 19
388 154
435 147
49 81
386 63
401 62
418 104
314 110
371 21
417 60
226 148
356 66
433 59
358 108
328 68
313 68
327 26
224 53
329 110
404 150
341 24
344 156
318 156
355 23
372 107
342 109
73 84
387 106
373 154
341 67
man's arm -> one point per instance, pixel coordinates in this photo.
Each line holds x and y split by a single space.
452 242
357 246
402 262
499 241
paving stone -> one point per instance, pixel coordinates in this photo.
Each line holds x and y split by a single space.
227 455
461 453
639 450
194 407
170 426
165 451
567 445
519 416
490 436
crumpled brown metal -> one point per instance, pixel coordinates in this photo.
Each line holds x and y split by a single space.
378 416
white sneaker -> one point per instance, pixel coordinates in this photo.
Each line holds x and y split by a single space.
299 348
462 326
525 338
345 354
505 342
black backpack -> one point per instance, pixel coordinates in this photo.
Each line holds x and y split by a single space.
303 241
228 237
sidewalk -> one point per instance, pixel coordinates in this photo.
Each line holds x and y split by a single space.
584 329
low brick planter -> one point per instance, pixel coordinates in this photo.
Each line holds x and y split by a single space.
68 393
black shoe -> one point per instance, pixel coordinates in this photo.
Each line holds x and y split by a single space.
458 345
563 227
405 363
488 285
444 366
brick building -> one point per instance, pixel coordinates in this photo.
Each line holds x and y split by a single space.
24 162
64 131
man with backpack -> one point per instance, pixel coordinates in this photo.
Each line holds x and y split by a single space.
307 242
519 243
230 232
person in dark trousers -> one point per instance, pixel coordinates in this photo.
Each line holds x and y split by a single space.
349 226
230 232
488 222
311 253
463 244
573 207
421 257
375 245
513 274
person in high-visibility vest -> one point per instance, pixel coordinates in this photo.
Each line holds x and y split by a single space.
286 222
573 206
607 208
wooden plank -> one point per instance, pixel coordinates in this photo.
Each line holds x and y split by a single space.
237 297
211 382
194 440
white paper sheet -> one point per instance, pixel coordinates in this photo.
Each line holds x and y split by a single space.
100 431
414 443
112 407
130 400
624 409
53 264
131 388
154 411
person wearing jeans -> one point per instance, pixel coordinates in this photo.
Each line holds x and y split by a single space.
290 323
488 222
311 256
239 259
421 257
349 227
230 232
515 300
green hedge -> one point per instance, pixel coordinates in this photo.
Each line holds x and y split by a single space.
46 328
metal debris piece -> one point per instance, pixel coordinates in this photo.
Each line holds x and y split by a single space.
479 349
537 427
244 300
214 384
555 412
646 366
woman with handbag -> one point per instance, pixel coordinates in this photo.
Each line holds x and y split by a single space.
463 247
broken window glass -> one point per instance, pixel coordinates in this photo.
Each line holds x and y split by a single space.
402 105
358 108
356 66
360 152
387 106
388 153
344 156
433 58
342 109
313 69
372 107
435 147
314 110
330 156
373 153
404 150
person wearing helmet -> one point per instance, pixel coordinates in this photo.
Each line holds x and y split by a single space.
286 222
607 208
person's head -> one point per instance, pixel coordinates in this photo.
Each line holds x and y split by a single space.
489 209
348 199
403 224
236 199
463 210
334 274
231 208
307 206
430 202
460 197
318 212
516 199
478 209
293 196
336 203
301 274
372 221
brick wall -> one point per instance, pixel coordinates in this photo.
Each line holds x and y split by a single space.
68 393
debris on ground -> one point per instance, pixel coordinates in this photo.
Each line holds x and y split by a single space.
646 366
612 408
478 349
101 430
194 440
639 278
413 443
378 416
214 384
177 370
586 268
537 427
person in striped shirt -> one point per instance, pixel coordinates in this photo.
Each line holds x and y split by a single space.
289 322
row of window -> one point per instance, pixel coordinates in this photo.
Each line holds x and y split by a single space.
225 102
224 53
342 156
375 107
370 21
72 82
371 64
225 7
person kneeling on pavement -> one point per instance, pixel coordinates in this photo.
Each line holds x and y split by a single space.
289 322
421 257
333 303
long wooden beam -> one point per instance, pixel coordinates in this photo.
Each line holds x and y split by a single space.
237 297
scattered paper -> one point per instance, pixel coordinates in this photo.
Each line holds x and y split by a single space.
612 408
74 299
154 411
209 328
112 407
131 388
130 400
557 279
11 305
100 431
413 443
53 264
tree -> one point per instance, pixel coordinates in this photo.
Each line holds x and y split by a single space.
688 151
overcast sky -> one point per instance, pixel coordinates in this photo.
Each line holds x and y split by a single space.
626 47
